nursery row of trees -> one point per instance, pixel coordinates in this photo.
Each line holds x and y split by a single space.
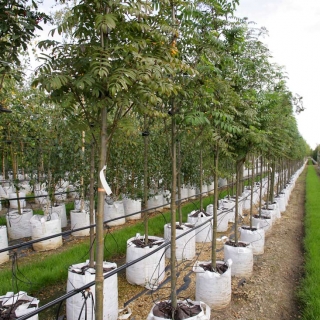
154 90
206 69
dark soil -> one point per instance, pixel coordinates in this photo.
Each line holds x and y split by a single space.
184 310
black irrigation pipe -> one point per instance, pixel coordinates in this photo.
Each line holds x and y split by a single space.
28 243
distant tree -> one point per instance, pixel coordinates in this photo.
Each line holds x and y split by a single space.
19 20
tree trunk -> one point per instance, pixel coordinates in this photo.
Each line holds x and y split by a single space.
81 179
173 210
145 181
260 195
268 185
179 184
238 168
273 172
99 223
200 188
252 186
215 209
91 261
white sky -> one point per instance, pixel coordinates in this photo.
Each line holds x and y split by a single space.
294 41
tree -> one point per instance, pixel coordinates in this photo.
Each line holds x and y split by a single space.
18 23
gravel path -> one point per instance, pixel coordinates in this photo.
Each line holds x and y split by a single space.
270 294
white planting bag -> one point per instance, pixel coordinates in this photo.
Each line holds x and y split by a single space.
19 224
79 275
185 246
150 271
4 256
45 226
213 288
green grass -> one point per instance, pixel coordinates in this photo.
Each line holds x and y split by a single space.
47 269
310 289
3 221
69 207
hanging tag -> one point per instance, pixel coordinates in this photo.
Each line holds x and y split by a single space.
104 182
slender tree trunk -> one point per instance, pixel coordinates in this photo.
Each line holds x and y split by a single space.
81 179
145 181
268 185
238 168
273 169
215 209
260 193
201 181
173 210
99 223
252 186
3 166
179 183
91 261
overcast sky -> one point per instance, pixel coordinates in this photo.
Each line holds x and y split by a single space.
294 40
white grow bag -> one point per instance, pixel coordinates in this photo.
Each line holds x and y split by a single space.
242 259
246 196
60 194
19 224
132 206
204 190
264 223
72 192
4 256
203 315
41 197
150 271
191 192
155 201
213 288
222 218
80 219
204 233
275 207
112 211
255 237
45 226
78 276
269 213
3 192
211 188
60 210
185 246
10 299
229 206
77 204
25 187
184 194
281 202
14 203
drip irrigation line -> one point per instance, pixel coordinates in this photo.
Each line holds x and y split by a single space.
27 243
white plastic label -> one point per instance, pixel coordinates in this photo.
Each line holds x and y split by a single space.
104 182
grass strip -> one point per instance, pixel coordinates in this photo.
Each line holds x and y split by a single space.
38 272
309 292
